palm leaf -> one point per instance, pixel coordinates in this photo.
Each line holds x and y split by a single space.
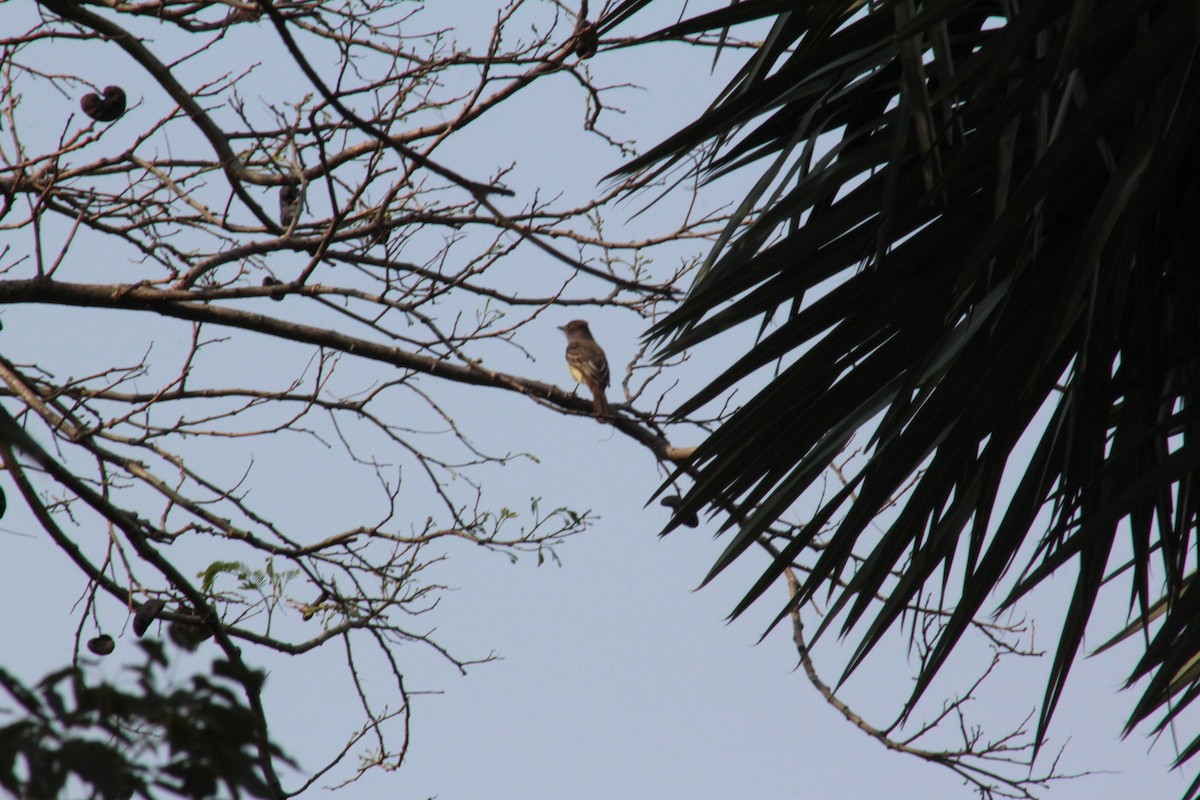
1004 202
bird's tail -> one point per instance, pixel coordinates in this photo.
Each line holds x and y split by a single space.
600 404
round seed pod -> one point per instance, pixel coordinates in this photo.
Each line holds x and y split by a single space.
689 519
276 295
146 613
587 42
291 203
108 108
101 645
187 636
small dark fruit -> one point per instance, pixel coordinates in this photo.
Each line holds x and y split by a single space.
587 41
269 281
102 645
146 613
108 108
291 199
187 634
689 519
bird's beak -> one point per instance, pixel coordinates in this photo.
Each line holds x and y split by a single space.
562 328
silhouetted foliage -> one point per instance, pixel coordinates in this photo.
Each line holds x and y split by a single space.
117 742
974 247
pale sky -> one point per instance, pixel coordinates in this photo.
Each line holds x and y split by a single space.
615 679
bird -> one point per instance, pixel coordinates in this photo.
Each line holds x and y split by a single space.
290 201
108 108
587 364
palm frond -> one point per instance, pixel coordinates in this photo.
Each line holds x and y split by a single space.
1007 201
